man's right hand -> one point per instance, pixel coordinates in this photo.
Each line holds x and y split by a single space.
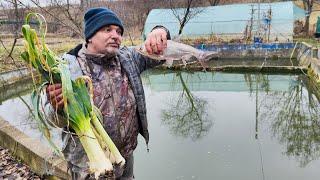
54 95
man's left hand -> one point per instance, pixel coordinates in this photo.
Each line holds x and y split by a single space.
156 41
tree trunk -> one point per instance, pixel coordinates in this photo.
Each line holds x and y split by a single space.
84 4
306 26
183 23
308 7
214 2
184 20
16 24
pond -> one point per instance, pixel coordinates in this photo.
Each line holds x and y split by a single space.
220 126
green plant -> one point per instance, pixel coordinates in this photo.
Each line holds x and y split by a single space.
79 111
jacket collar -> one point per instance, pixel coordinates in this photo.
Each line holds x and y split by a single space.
100 59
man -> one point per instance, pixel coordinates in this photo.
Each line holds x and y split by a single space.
118 91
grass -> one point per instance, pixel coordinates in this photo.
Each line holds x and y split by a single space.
8 63
64 44
57 45
312 41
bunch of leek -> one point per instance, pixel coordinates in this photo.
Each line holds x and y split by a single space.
82 116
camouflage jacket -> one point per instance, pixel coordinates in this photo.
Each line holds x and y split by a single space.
131 64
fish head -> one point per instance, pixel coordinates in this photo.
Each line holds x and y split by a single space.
141 49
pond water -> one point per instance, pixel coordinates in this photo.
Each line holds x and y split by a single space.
220 126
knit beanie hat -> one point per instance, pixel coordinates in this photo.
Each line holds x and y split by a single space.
96 18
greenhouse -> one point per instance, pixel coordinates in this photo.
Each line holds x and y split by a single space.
275 20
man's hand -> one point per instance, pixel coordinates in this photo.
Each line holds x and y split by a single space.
156 41
54 95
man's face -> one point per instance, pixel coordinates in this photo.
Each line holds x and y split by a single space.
106 41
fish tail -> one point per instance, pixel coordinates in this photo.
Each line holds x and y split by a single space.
169 62
203 62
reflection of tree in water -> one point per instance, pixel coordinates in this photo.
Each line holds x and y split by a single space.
257 81
295 121
261 82
46 129
29 120
187 117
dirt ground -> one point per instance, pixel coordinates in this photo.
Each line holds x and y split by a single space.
12 169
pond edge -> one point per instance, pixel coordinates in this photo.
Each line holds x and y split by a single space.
30 151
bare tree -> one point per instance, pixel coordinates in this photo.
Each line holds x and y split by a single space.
185 11
145 6
14 15
308 4
133 13
187 116
214 2
294 115
70 13
12 23
16 26
83 4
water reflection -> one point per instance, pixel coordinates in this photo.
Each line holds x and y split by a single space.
29 114
17 109
18 91
11 91
292 110
282 108
256 82
294 116
187 115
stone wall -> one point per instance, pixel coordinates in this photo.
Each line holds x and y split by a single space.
12 76
309 56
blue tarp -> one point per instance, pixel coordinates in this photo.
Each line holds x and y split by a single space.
267 46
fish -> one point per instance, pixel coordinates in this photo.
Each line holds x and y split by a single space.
176 51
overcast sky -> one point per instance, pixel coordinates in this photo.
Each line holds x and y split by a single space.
41 2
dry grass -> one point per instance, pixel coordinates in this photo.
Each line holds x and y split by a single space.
56 44
313 42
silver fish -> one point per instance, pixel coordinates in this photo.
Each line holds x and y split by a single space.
179 52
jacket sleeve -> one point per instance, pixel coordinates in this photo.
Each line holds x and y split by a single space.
142 62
